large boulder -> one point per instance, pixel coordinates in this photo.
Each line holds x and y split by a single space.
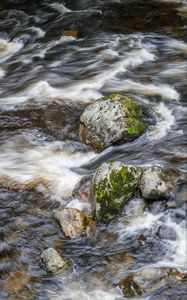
113 119
74 222
155 184
113 184
52 262
148 280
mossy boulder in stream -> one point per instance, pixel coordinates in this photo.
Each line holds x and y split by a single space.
113 185
113 119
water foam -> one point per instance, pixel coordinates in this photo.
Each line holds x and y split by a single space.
7 49
165 122
40 33
163 90
2 73
79 288
60 7
49 164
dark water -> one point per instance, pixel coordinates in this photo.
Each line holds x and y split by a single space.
55 57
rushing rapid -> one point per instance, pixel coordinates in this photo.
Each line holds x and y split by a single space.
55 58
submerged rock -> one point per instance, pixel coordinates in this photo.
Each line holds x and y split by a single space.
52 262
74 222
70 32
17 280
113 119
166 233
113 184
32 184
82 189
154 184
147 280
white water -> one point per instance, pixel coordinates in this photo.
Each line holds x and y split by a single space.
139 220
47 166
7 49
165 121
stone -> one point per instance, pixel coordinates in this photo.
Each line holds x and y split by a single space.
154 184
74 222
113 185
148 280
82 190
52 262
166 233
112 120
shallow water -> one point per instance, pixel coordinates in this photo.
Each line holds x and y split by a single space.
47 76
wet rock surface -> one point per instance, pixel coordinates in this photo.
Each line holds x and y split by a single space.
113 184
166 232
51 261
155 184
136 15
60 120
82 190
74 222
113 119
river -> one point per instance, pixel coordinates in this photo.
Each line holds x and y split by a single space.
55 58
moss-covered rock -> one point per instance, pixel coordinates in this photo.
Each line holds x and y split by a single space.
113 185
113 119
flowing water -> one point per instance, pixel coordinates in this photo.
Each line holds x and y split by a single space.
55 57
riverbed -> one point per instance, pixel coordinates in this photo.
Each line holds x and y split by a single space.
55 58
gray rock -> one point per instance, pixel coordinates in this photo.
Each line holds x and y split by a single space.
154 184
51 261
113 185
113 119
166 233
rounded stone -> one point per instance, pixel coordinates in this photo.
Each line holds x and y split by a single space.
112 120
74 222
51 261
166 233
154 184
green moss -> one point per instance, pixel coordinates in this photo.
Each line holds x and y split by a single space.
113 191
133 112
133 115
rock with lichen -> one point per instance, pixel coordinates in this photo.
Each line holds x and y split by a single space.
155 184
74 222
52 262
148 280
113 185
112 120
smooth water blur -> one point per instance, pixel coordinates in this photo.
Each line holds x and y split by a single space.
55 57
